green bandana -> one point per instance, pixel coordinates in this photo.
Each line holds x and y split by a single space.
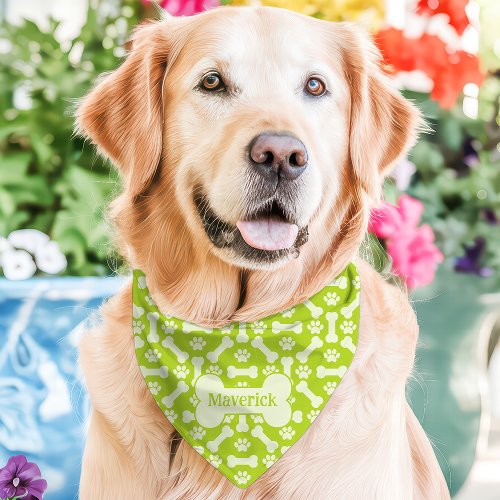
243 394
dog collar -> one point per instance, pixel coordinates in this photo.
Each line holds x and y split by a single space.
243 394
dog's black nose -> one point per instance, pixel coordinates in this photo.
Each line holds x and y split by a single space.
278 155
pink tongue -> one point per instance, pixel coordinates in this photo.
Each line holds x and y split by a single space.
268 233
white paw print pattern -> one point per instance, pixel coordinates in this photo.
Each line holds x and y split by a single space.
242 444
257 419
214 369
268 369
168 327
181 371
329 387
286 343
137 327
356 283
331 355
197 432
315 327
288 313
242 355
258 327
242 384
242 477
154 387
194 400
153 355
215 460
228 419
303 371
332 298
348 327
312 415
287 433
197 343
149 300
171 415
269 460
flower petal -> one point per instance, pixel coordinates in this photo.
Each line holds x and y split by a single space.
37 487
29 472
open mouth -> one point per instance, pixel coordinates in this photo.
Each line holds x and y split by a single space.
267 234
269 229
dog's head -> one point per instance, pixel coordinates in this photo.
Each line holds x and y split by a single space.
251 134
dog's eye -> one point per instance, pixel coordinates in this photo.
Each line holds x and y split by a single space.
212 82
315 86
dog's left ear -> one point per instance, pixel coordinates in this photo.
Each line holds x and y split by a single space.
123 113
383 124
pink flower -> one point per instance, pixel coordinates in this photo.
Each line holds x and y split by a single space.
412 249
389 220
415 256
185 7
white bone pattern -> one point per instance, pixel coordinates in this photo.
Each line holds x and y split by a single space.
181 388
197 364
258 432
225 343
168 342
242 425
153 318
161 372
226 432
349 309
242 336
287 365
251 371
348 344
137 311
251 461
322 371
303 355
276 385
190 328
278 327
304 389
331 318
316 311
271 356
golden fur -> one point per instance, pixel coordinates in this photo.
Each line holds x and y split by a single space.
169 142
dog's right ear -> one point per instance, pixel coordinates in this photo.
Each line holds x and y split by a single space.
123 113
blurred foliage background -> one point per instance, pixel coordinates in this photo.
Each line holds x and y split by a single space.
49 179
54 182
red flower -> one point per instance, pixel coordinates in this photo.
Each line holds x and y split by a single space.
454 9
449 70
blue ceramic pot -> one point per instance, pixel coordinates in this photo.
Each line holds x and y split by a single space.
42 401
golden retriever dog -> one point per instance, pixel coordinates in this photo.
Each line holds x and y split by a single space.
239 113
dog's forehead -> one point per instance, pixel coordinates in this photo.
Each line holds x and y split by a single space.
245 40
